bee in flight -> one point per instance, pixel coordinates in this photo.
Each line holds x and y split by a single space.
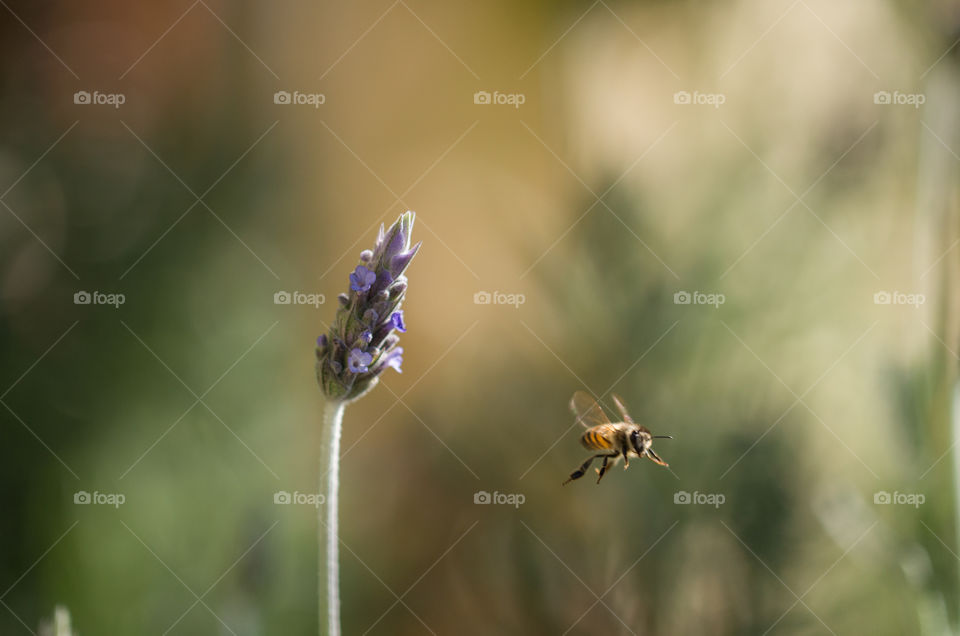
610 440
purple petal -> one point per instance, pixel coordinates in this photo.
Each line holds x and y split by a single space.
397 321
358 361
361 279
382 282
394 247
399 262
395 359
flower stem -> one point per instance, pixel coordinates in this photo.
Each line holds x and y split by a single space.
327 537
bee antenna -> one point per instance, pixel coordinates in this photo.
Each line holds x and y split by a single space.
663 436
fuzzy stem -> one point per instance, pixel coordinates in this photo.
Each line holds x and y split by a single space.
327 537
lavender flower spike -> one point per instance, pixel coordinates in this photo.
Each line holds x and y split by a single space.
362 343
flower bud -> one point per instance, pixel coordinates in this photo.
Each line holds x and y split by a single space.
362 342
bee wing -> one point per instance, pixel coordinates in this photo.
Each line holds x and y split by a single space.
623 409
587 410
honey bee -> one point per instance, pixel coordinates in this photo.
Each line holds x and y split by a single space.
611 440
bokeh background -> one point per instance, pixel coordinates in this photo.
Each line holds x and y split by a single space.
786 185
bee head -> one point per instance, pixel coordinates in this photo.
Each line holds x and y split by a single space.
640 442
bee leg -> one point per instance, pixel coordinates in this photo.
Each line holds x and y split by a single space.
603 468
578 473
626 460
655 458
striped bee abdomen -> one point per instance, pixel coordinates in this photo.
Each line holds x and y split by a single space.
595 440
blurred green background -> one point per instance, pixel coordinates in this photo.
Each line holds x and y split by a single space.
787 185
